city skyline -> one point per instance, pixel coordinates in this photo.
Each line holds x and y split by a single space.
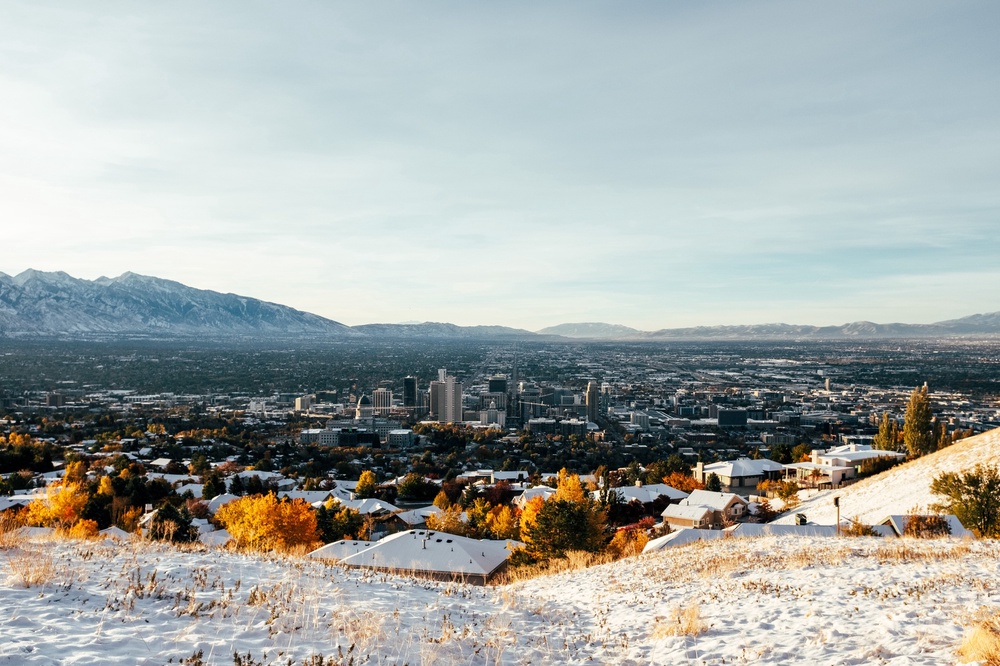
652 166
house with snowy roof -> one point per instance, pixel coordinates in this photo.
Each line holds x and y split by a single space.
704 509
741 475
646 493
339 550
898 524
435 555
545 492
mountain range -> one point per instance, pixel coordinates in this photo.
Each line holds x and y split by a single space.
42 304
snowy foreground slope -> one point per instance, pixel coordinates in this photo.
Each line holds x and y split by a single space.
767 601
900 489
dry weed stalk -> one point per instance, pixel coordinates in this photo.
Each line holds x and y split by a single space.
982 640
683 621
32 568
11 523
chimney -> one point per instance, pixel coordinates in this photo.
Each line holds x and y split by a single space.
699 472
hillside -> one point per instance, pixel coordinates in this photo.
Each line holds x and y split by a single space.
765 601
902 488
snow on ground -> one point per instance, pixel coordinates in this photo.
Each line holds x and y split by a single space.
900 489
771 600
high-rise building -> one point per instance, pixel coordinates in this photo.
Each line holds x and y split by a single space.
381 402
410 393
498 384
446 398
593 401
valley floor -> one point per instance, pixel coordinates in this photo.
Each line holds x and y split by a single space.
761 601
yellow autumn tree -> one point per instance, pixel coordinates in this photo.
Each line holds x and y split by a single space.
366 485
449 520
441 500
502 522
263 523
530 513
105 487
570 488
61 507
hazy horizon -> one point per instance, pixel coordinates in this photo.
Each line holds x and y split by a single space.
649 165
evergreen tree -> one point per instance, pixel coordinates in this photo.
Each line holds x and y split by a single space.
917 432
713 483
236 486
213 487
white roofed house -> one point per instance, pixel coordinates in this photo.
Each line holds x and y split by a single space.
433 555
646 493
741 475
704 509
831 468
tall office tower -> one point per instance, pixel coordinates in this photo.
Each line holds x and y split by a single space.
593 401
442 374
410 393
446 400
498 384
381 402
451 401
435 395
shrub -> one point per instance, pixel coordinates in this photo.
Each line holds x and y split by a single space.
974 497
856 528
922 526
83 529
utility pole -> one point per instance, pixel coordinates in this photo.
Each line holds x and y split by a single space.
836 503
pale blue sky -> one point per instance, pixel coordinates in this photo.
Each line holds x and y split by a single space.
526 164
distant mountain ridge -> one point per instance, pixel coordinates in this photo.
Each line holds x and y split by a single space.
45 304
40 303
593 330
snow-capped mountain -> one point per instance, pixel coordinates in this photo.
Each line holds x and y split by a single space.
41 303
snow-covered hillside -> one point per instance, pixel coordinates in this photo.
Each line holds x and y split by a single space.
768 601
37 302
900 489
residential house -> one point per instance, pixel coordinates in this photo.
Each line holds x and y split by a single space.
741 475
435 555
704 509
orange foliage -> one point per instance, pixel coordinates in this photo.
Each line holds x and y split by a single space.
262 522
60 508
682 482
83 529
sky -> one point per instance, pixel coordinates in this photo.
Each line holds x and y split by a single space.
650 164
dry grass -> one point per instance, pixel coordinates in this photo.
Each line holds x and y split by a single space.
683 621
10 524
982 640
575 560
30 569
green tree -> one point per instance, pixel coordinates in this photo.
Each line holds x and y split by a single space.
918 435
366 485
713 483
974 497
336 523
561 526
887 438
171 524
213 487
